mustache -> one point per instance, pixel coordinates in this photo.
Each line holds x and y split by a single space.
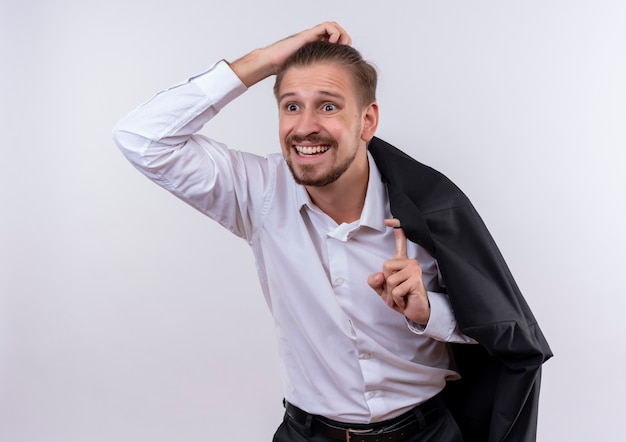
314 139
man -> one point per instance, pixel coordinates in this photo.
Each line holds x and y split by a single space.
326 221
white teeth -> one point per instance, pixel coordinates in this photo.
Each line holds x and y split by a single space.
310 150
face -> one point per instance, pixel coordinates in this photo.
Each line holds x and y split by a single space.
323 128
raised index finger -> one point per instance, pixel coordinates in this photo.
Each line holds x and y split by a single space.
400 237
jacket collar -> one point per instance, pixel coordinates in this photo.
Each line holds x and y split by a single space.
398 172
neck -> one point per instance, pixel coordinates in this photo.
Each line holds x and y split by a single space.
342 200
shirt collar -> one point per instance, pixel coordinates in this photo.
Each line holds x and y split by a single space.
374 208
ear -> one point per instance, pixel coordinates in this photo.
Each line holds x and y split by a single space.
370 122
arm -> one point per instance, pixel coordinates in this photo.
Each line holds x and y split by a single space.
160 139
167 121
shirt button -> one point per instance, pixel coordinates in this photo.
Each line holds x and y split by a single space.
366 356
339 281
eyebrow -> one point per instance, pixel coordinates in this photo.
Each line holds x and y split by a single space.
330 94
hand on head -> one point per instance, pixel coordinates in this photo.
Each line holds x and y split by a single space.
400 283
261 63
327 31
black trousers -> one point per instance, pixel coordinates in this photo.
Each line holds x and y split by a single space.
444 429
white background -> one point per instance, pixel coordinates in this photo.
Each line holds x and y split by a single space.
127 316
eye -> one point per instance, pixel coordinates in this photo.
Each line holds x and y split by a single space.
292 107
329 107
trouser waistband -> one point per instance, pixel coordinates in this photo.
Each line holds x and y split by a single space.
392 430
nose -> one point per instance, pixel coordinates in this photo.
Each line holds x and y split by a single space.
306 124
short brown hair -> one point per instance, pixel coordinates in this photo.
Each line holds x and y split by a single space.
364 74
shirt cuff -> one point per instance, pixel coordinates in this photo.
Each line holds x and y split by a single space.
441 323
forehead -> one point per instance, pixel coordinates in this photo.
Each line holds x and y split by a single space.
320 78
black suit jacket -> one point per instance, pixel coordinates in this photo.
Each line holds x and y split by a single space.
497 398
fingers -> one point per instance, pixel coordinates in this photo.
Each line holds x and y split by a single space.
267 61
328 31
398 271
400 277
335 33
400 284
376 281
400 237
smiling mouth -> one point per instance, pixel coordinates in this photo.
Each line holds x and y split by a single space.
311 150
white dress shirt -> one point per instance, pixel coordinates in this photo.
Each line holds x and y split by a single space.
344 353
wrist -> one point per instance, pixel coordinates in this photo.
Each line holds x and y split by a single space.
253 67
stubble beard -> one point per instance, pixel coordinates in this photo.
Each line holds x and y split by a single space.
305 175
